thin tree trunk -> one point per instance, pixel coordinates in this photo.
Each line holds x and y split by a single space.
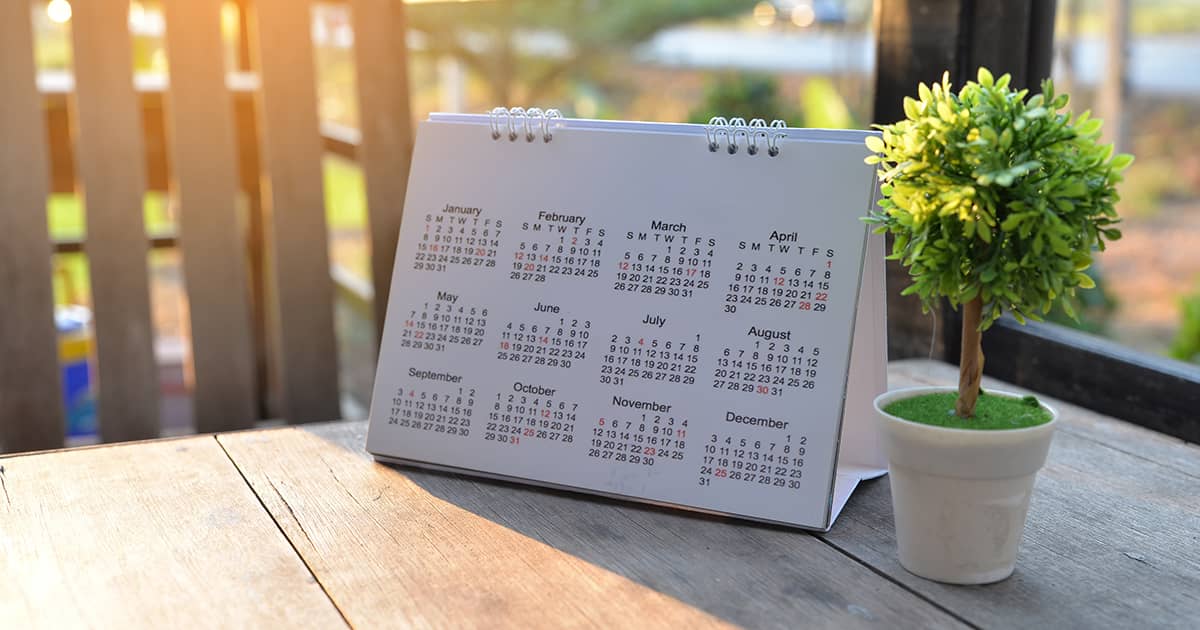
970 364
1111 100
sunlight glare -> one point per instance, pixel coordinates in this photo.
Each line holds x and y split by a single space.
764 13
803 15
59 11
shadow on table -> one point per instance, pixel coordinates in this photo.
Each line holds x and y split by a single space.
749 574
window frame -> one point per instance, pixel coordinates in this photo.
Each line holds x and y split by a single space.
1086 370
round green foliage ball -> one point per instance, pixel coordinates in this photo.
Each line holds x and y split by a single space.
995 194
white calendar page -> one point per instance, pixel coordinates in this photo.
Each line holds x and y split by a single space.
622 311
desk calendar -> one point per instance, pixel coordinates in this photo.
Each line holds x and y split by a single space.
686 315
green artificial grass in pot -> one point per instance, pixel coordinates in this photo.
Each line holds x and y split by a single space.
991 412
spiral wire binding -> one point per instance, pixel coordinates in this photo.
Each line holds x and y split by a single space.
734 133
519 122
737 132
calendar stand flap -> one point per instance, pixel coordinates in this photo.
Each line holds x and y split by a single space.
848 478
860 453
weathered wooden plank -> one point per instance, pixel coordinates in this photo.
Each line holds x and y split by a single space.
205 185
63 165
242 87
31 414
57 89
1111 539
300 291
415 547
158 534
109 152
381 50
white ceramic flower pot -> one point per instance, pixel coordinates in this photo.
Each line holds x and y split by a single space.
960 496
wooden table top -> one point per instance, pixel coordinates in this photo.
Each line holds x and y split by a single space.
299 527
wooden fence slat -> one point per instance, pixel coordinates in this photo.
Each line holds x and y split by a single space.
381 54
300 291
109 151
31 415
204 165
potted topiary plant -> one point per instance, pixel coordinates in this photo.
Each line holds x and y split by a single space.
996 201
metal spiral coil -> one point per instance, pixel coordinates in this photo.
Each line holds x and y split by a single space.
518 122
737 133
732 133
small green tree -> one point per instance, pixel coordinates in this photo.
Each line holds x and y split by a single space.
996 200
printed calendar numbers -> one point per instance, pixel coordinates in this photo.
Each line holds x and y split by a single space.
644 439
530 414
784 287
559 342
661 358
780 274
775 461
769 364
445 321
457 237
557 245
437 403
665 260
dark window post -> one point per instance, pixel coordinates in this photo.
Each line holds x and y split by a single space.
918 40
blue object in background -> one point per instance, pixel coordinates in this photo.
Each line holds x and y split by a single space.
74 352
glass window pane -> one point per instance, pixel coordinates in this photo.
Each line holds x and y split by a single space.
1132 73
